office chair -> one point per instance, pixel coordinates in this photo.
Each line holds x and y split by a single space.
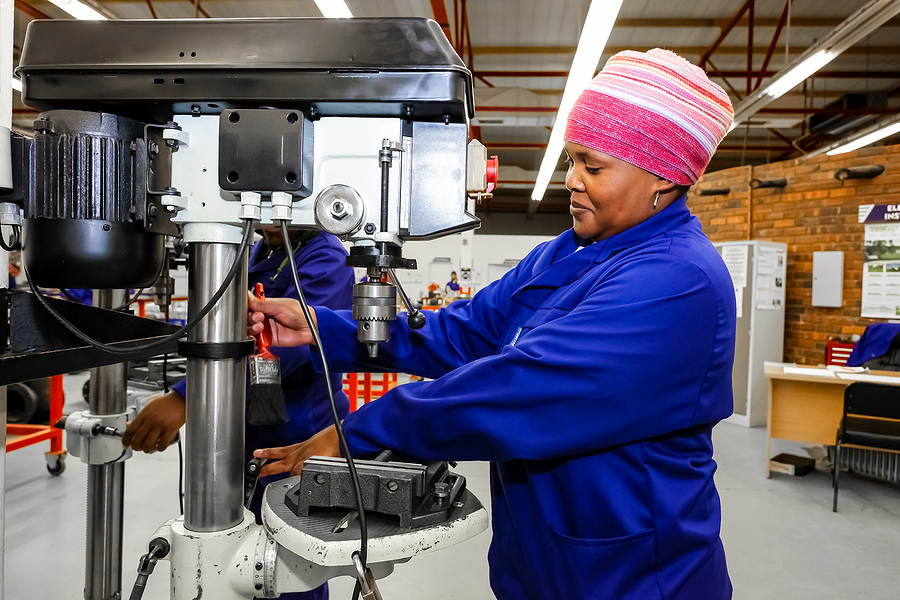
871 421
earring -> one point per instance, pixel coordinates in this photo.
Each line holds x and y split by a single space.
655 200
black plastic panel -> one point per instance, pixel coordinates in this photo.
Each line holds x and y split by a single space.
266 150
152 69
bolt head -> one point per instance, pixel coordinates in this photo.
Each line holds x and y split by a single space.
320 478
393 486
339 209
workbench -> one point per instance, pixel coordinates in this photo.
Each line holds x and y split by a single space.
806 403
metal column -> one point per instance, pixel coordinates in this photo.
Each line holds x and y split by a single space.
106 483
216 389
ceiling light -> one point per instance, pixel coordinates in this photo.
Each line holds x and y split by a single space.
868 136
599 23
334 9
877 131
79 10
783 84
857 26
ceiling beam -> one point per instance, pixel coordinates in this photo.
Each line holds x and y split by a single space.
826 22
29 10
819 74
682 50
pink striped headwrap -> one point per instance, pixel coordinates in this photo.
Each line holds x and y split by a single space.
654 110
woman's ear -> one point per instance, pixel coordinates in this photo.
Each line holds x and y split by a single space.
666 186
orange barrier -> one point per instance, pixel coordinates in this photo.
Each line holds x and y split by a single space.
367 386
20 436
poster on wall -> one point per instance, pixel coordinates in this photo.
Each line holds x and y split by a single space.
770 271
881 265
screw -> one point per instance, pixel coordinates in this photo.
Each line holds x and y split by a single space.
441 490
258 586
259 566
153 210
320 478
370 228
393 486
153 147
338 210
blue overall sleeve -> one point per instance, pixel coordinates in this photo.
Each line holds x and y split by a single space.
584 371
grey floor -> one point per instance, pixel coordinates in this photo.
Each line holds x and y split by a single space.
780 536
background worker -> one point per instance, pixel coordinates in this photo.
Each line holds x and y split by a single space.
326 281
603 361
451 290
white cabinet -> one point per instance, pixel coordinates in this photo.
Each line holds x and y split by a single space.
758 271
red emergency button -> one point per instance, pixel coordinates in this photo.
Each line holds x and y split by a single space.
493 169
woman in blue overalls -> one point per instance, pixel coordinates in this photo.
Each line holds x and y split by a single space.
592 374
326 281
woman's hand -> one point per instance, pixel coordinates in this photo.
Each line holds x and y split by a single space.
156 425
289 326
290 458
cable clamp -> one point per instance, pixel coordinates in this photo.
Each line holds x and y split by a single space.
281 206
251 206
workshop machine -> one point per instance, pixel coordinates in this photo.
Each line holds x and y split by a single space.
203 129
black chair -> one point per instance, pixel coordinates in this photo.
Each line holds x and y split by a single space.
871 421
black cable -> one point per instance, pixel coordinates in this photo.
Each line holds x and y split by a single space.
180 476
131 300
238 262
14 242
354 477
66 293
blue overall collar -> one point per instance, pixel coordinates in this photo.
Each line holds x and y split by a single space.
566 264
671 217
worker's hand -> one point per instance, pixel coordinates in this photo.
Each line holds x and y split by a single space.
289 326
157 425
290 458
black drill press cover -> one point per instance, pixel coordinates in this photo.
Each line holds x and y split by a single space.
152 69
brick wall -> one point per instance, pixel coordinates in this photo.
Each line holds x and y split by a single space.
814 212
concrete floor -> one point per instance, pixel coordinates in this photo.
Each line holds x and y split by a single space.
780 536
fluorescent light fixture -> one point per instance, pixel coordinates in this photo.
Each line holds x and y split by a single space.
80 11
798 73
867 136
600 19
17 84
333 9
856 27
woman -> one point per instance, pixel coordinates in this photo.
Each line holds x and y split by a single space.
592 374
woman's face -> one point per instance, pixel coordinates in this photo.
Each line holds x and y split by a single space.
608 195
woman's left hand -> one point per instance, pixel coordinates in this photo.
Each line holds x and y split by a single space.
290 458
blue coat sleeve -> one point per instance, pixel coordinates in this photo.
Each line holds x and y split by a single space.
584 372
458 334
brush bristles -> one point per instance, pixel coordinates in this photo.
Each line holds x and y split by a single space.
265 397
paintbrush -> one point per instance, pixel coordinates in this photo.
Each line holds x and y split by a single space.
265 397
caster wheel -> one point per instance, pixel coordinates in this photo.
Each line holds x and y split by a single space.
56 464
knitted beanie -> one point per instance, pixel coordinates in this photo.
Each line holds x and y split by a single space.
654 110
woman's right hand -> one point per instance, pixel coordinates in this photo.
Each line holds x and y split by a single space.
289 326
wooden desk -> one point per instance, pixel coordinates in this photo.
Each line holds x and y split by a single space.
807 408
